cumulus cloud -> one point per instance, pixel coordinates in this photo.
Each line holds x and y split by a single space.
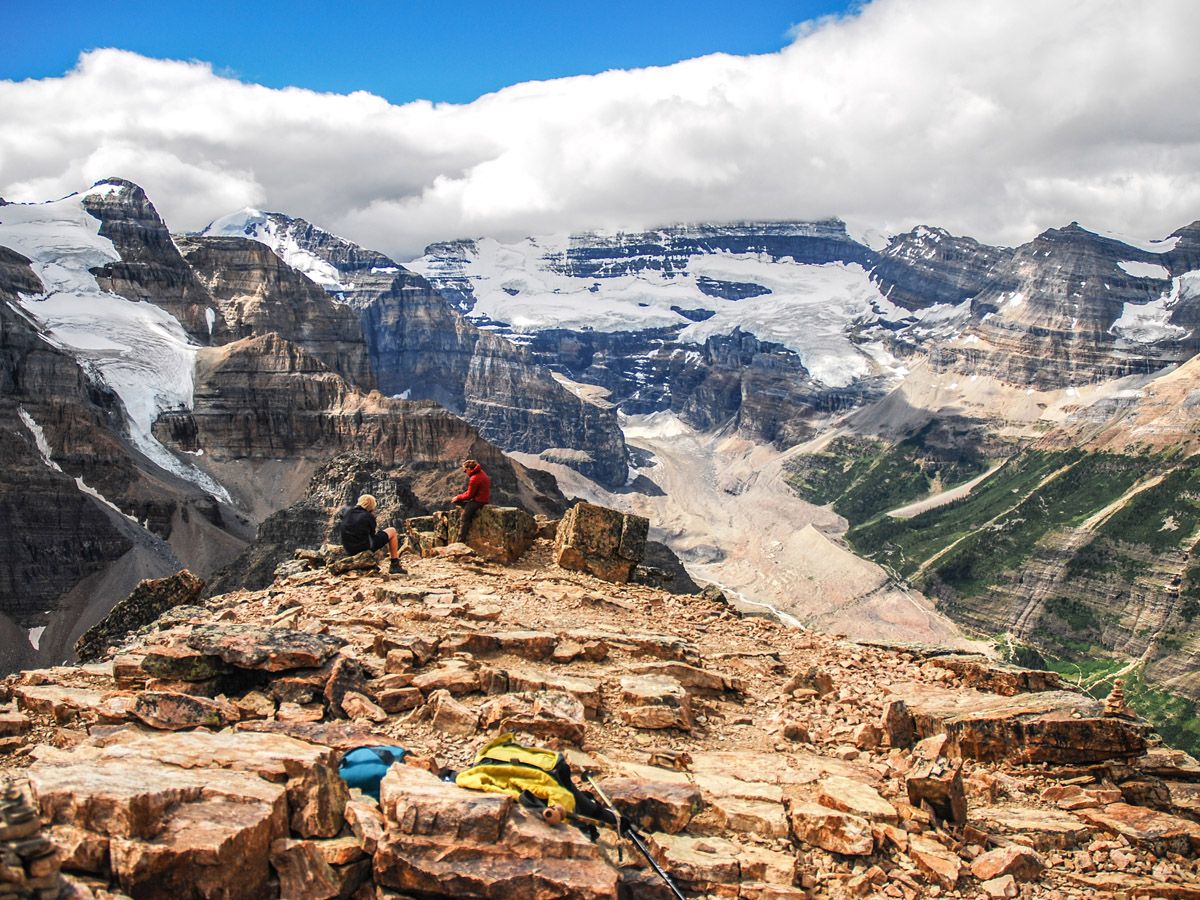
995 118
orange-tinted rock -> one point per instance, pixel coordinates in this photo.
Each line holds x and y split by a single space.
450 716
454 676
849 795
939 864
269 649
656 702
1146 827
214 848
939 785
541 714
1055 727
601 541
357 706
654 805
303 871
1019 862
995 677
172 711
831 830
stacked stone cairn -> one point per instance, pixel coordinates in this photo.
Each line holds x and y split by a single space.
29 863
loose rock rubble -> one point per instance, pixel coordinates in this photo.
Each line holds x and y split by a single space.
763 762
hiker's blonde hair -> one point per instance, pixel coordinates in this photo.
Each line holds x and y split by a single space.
367 502
469 464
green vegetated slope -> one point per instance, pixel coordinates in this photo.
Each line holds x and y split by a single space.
863 477
1048 548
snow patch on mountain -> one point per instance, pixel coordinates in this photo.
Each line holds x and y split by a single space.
270 229
1164 246
1144 270
809 309
1146 323
137 349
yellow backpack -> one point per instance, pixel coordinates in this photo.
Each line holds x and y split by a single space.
505 767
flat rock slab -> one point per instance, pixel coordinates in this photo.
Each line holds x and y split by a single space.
655 805
1045 829
693 678
849 795
181 663
56 700
985 674
440 839
1056 727
269 649
586 691
338 735
1144 827
173 711
837 832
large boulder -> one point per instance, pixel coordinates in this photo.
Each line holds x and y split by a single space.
441 840
149 600
500 533
604 542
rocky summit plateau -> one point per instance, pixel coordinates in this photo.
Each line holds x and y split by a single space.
196 753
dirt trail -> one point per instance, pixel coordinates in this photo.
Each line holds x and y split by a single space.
1055 474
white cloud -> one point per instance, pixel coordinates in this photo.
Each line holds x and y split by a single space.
996 118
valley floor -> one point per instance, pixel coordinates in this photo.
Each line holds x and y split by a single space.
721 503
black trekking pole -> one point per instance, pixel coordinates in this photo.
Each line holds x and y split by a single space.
627 829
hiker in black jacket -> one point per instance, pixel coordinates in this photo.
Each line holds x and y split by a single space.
360 532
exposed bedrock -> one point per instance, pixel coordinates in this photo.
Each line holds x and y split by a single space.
256 292
151 267
264 398
422 349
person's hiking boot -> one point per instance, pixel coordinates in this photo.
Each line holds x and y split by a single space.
395 568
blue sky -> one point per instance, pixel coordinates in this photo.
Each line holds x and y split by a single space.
452 51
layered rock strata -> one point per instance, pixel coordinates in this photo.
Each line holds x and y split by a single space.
422 349
256 293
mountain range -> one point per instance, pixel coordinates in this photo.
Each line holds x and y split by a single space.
914 437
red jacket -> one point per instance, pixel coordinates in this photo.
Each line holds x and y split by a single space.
479 487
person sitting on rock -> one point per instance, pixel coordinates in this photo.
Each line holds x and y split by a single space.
361 533
477 495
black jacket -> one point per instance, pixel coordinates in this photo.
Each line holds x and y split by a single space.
358 529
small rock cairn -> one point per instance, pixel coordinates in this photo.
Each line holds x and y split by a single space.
1115 704
29 863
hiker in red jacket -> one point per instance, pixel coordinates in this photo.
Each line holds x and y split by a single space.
475 497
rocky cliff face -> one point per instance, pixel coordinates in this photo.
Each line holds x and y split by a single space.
62 458
421 349
929 266
264 398
92 351
255 293
150 266
1073 307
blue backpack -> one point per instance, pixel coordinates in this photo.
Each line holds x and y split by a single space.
365 767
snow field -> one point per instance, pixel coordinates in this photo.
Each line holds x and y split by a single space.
137 349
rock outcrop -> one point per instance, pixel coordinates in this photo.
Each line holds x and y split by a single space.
150 599
151 268
200 760
603 542
265 398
